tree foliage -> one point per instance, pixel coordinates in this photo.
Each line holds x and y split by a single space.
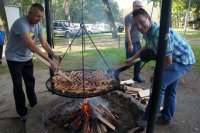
180 7
92 10
25 4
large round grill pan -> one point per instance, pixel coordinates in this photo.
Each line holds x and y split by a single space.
115 86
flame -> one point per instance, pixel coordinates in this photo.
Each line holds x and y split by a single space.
86 107
86 110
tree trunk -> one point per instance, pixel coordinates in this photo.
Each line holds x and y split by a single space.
51 18
110 16
187 17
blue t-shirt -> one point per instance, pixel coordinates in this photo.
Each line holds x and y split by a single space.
2 37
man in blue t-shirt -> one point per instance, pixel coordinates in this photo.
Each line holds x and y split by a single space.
3 40
179 59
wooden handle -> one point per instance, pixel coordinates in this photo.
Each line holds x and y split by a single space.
136 60
49 65
124 64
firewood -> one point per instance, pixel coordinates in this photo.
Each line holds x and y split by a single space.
103 128
96 109
144 93
66 125
106 110
134 89
134 94
106 122
126 82
69 118
98 128
85 128
92 129
145 100
110 119
76 123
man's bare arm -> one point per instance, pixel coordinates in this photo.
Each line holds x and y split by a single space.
29 43
129 41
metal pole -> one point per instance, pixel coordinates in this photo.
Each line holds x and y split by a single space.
162 44
48 30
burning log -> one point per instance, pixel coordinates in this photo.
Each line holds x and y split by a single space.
106 122
103 128
86 126
110 119
91 119
72 116
98 128
106 110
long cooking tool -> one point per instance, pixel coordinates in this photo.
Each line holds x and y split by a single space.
116 72
49 65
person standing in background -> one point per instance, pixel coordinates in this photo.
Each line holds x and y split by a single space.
132 41
3 40
19 51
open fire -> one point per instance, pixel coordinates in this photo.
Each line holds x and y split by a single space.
113 113
91 119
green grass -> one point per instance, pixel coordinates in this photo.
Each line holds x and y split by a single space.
196 49
93 60
113 57
193 35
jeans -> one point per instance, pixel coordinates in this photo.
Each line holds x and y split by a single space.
171 77
136 48
19 70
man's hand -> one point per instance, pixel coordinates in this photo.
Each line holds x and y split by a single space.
54 66
57 57
130 48
129 61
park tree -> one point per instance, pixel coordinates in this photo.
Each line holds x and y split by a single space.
92 10
179 9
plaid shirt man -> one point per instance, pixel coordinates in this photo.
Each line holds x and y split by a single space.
177 46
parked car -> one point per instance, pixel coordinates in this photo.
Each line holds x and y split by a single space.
120 27
61 28
92 29
104 28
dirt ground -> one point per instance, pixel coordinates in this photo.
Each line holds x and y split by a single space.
186 119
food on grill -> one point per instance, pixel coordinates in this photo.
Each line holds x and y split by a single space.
94 82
